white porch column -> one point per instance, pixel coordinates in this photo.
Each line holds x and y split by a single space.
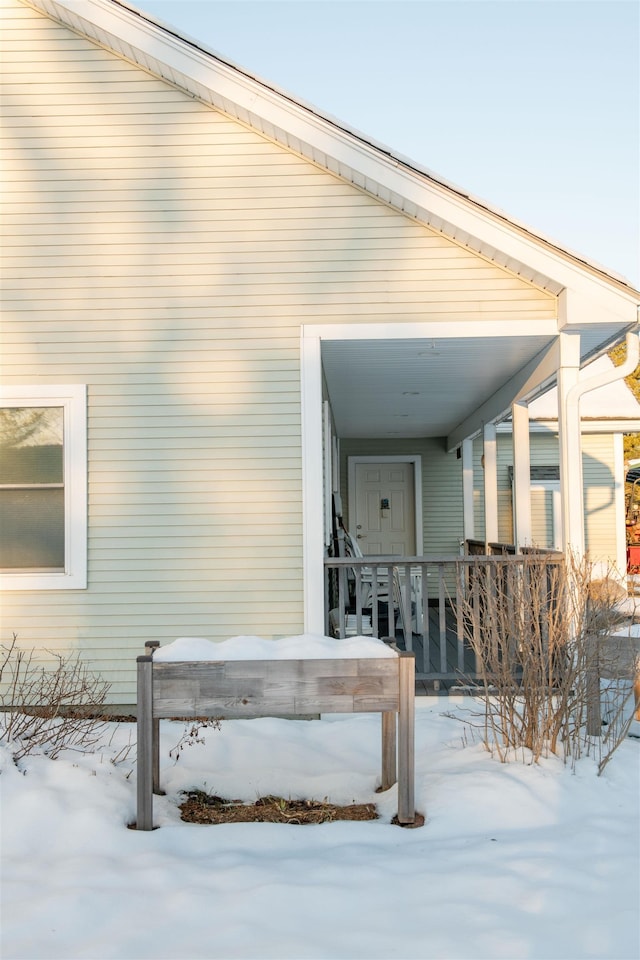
312 483
522 531
571 495
490 462
468 521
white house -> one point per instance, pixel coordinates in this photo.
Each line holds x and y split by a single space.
219 306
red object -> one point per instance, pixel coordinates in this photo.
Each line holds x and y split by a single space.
633 558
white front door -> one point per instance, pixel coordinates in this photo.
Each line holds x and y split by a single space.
384 520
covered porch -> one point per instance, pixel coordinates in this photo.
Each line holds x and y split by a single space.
442 396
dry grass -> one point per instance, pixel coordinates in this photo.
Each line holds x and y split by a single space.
201 807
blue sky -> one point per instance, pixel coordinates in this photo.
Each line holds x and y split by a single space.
531 105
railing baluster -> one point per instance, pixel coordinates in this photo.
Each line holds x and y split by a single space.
358 589
479 582
442 620
374 600
342 600
424 601
405 593
475 608
459 571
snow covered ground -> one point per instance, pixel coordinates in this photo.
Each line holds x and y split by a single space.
514 861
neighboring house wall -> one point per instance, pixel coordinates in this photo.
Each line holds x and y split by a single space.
599 471
166 257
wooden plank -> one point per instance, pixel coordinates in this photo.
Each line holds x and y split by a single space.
144 758
442 623
282 669
220 707
368 704
307 687
406 740
149 649
388 749
300 669
299 705
171 671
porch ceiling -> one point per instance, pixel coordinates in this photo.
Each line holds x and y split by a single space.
417 388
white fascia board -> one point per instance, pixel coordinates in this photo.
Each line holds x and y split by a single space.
582 305
392 180
451 329
586 426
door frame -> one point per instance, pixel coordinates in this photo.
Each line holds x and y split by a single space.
416 460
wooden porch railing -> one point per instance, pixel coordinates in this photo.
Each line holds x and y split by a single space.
415 601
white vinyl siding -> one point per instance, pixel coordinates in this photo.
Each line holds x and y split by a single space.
166 256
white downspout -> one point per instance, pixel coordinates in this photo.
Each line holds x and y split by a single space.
608 376
572 417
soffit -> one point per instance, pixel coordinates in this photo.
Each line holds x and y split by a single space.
387 389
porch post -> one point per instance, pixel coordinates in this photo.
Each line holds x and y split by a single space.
312 483
490 461
571 494
468 520
522 531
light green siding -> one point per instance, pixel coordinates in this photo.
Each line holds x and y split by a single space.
598 465
166 256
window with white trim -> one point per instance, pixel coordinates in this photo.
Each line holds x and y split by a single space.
43 487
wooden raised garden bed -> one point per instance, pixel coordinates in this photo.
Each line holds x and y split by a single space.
261 688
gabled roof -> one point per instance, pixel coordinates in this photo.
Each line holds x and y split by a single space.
605 300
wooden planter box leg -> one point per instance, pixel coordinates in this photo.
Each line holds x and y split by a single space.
406 740
388 749
145 744
149 648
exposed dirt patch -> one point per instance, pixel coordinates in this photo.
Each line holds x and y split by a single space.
201 807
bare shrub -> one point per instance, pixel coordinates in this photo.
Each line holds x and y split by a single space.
49 709
193 734
539 631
